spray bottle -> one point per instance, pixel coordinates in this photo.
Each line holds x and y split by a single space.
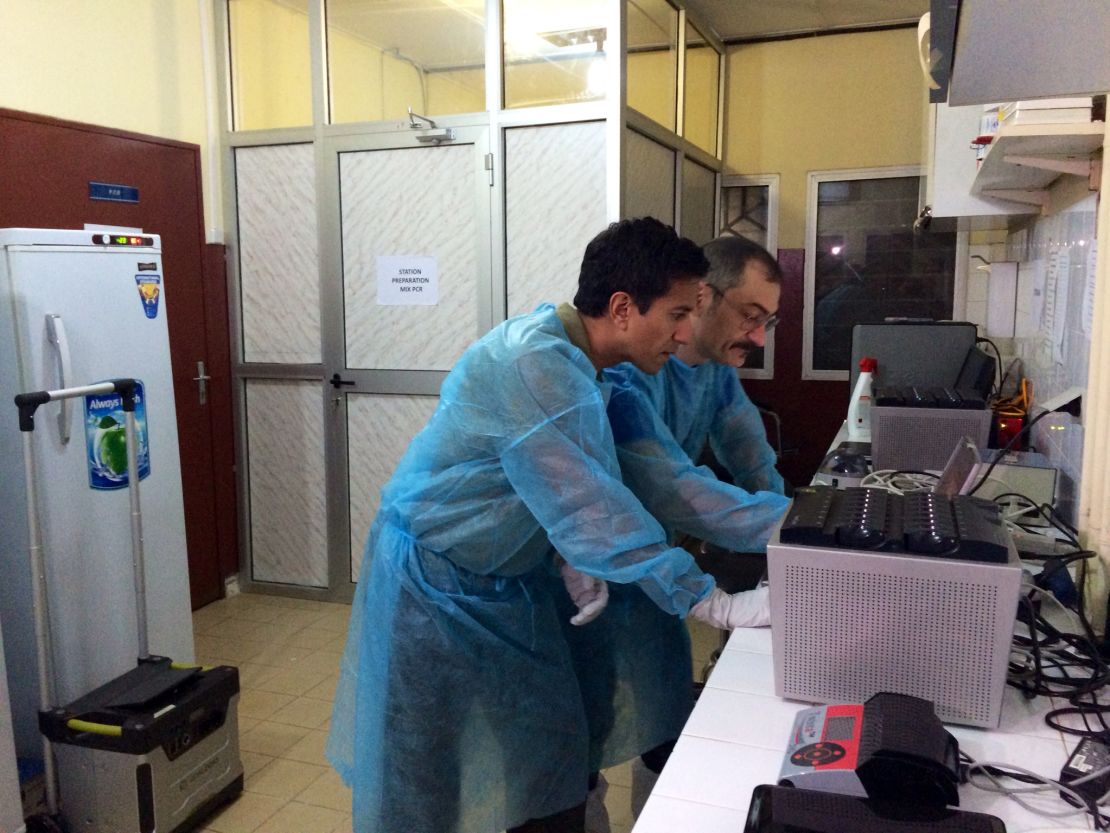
859 407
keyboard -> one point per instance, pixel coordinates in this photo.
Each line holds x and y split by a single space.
918 523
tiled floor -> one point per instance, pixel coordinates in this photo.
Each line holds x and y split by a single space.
287 652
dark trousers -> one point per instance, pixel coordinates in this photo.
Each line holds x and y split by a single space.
655 759
568 821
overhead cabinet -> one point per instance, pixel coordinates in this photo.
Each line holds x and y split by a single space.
1009 51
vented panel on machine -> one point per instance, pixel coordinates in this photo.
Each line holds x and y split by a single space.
847 624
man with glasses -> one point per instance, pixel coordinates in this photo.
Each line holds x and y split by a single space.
634 664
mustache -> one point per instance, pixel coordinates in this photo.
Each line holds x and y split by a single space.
744 344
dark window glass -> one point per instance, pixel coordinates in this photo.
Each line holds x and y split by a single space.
872 265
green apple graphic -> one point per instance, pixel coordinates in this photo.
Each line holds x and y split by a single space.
111 445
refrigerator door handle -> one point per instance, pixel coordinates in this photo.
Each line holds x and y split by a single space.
56 335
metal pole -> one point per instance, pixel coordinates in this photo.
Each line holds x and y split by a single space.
42 620
131 436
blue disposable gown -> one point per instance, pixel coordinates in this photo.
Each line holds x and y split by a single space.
457 707
702 404
633 662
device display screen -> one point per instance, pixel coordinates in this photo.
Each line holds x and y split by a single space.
840 728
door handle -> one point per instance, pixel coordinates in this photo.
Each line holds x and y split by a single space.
202 383
338 381
56 336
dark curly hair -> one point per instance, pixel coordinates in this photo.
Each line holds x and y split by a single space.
642 257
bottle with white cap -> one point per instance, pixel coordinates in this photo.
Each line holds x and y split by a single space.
859 407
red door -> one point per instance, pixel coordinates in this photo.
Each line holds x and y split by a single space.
45 169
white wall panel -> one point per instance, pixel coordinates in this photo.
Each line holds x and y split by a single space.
699 192
379 430
285 459
555 204
648 178
278 272
418 202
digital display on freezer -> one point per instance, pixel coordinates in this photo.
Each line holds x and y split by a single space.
121 240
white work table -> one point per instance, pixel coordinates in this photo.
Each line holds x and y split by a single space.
737 736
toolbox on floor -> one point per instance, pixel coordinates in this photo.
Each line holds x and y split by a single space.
156 748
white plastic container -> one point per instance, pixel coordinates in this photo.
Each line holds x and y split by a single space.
859 407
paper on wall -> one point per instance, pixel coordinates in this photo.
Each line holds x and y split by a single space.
1060 319
405 280
1036 303
1088 319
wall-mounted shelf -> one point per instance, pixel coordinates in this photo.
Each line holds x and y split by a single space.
1025 159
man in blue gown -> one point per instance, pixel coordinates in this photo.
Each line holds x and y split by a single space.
633 662
458 710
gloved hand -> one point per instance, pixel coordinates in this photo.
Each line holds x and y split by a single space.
589 594
747 609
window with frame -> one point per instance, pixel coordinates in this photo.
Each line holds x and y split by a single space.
749 208
866 262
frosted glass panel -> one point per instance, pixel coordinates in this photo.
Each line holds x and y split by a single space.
554 179
379 429
649 178
278 273
285 459
411 202
699 186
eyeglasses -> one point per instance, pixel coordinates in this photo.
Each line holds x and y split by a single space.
751 319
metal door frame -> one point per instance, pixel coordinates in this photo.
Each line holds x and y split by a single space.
333 325
328 144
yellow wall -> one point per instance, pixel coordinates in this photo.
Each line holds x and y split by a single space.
270 65
699 122
460 91
652 83
368 85
114 63
272 75
839 101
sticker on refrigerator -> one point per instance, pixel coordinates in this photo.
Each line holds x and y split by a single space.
105 443
150 287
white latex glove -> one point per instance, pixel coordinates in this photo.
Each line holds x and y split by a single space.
589 594
747 609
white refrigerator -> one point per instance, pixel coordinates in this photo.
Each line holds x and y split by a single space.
78 307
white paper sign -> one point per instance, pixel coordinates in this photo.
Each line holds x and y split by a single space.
1089 289
407 281
1060 320
1036 305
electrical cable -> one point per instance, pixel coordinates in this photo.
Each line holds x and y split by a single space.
1009 369
1035 783
998 358
1051 662
1045 510
899 482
